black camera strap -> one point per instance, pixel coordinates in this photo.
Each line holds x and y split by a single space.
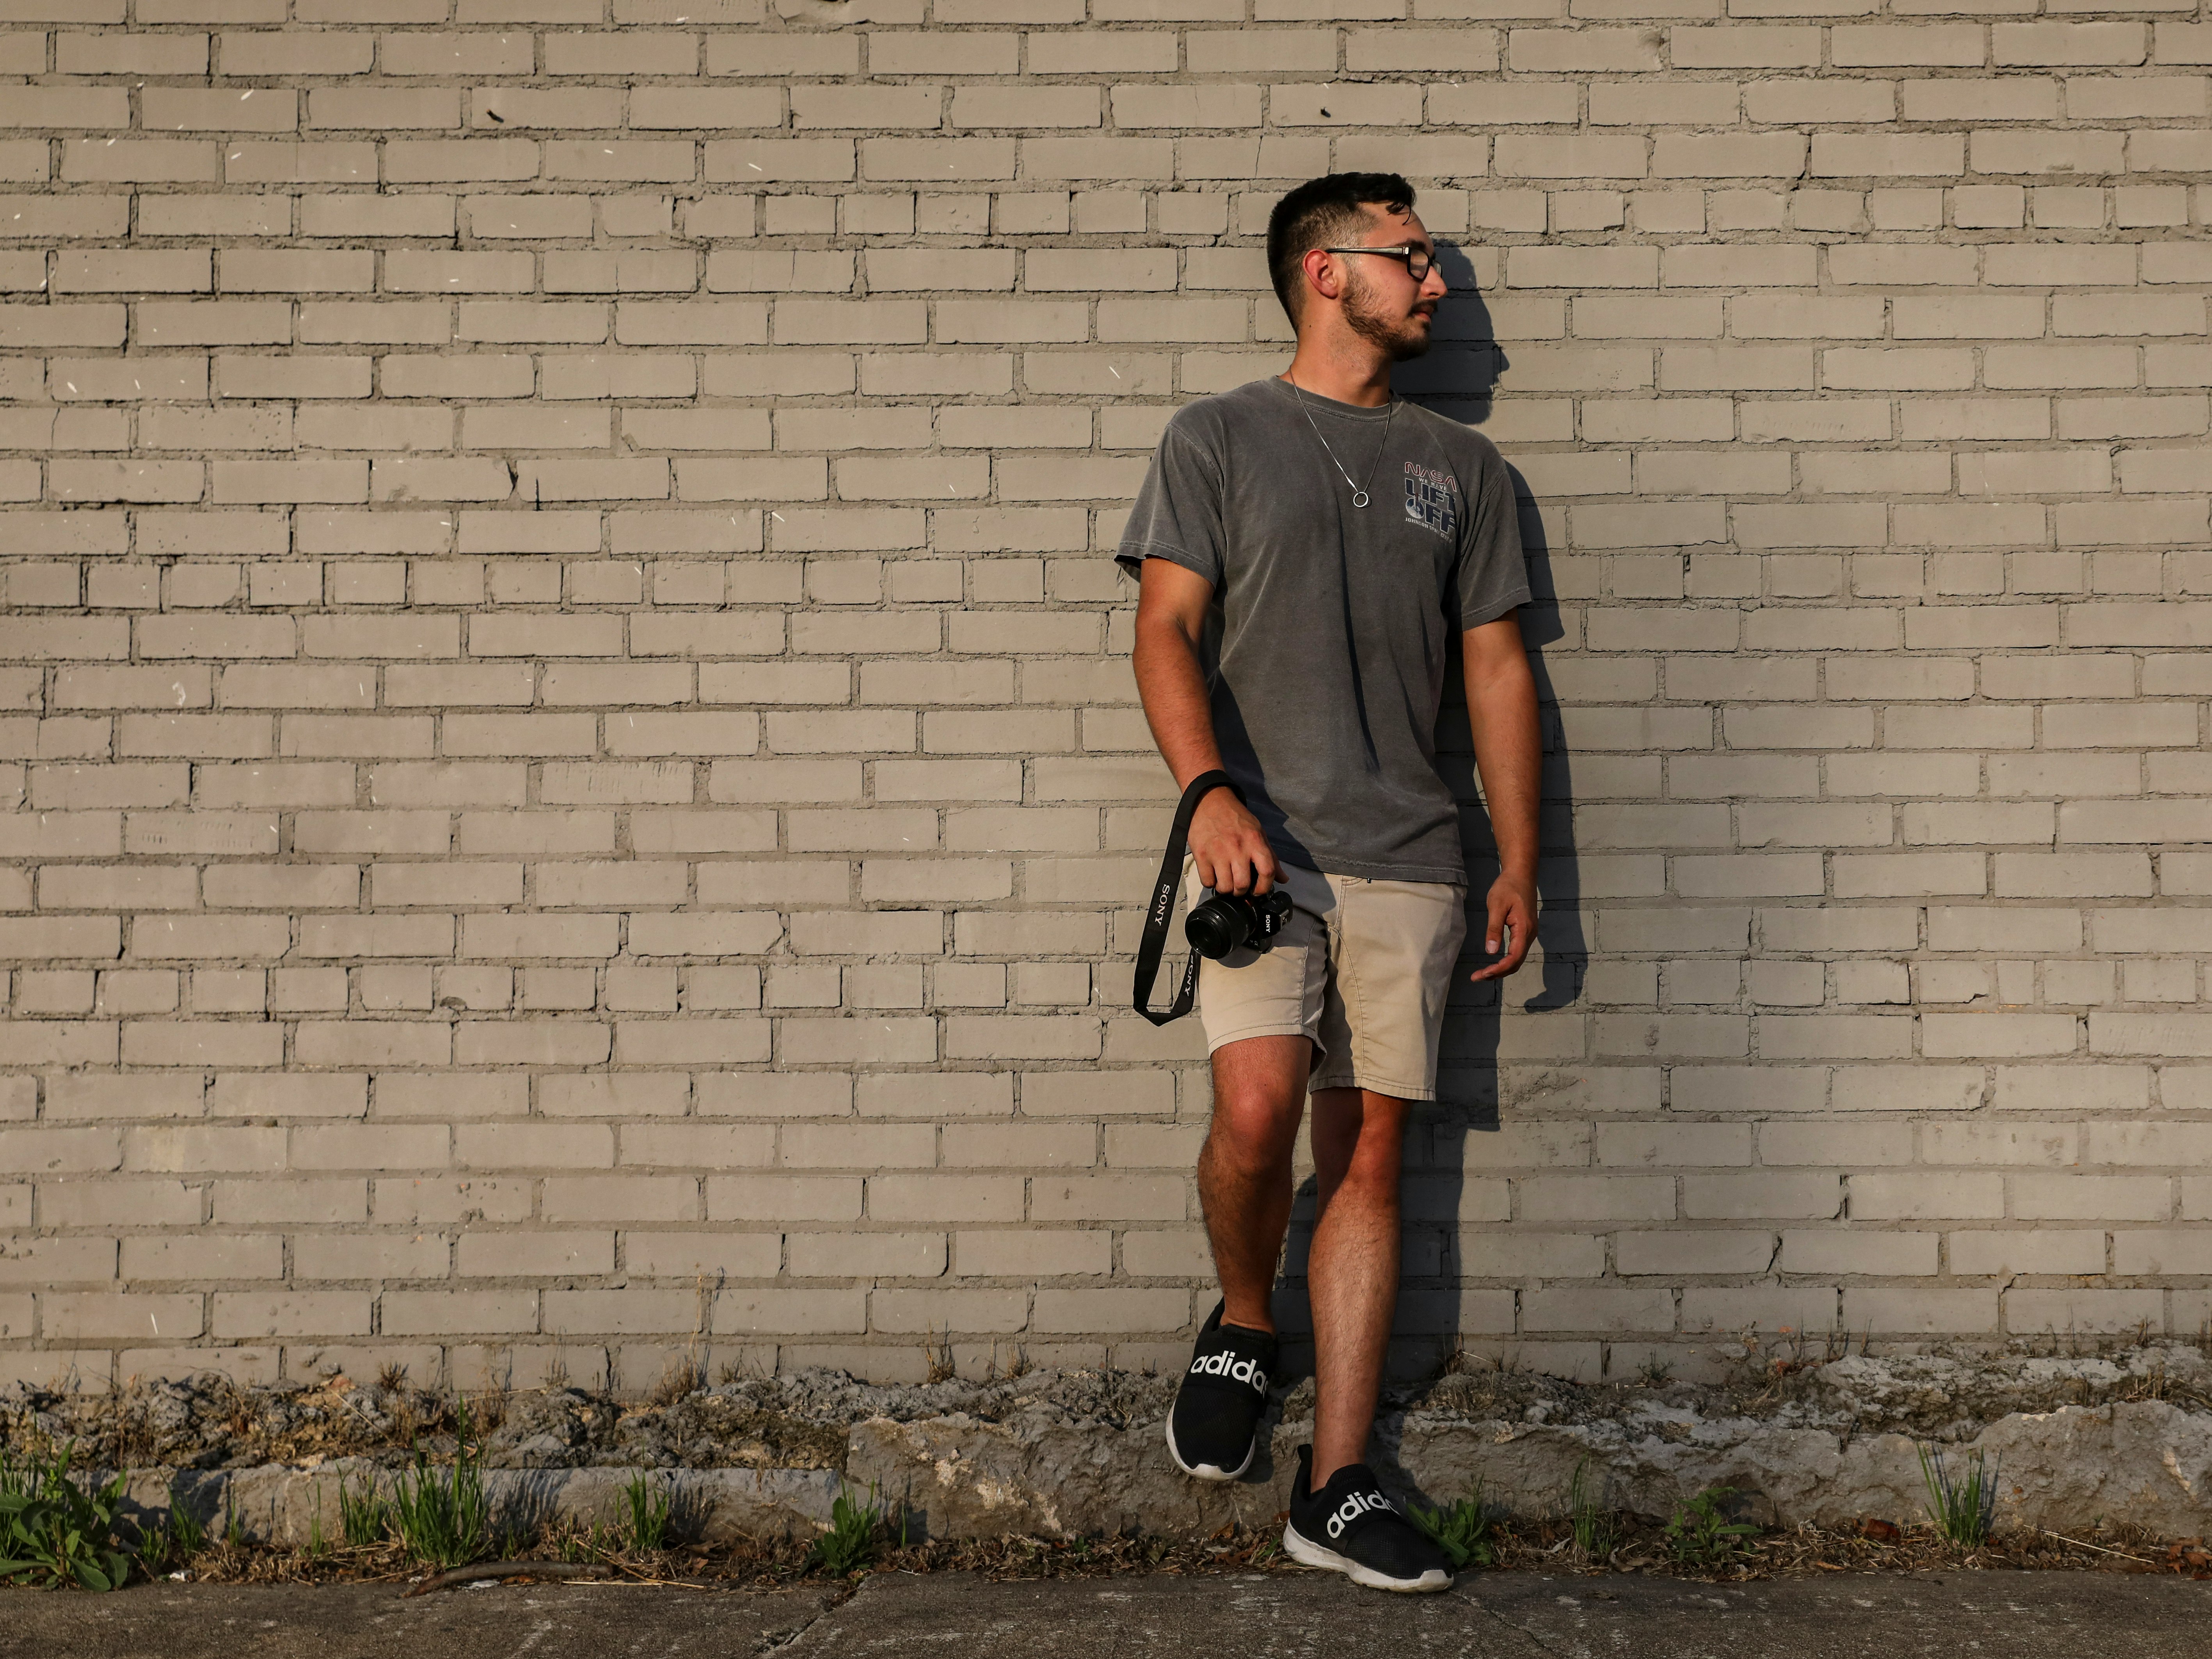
1154 942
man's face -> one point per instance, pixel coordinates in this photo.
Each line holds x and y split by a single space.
1382 303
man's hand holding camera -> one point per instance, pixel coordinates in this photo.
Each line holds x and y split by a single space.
1237 863
1231 849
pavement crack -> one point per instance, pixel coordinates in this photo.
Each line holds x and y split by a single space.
777 1641
1492 1614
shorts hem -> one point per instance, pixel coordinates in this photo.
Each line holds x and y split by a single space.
1213 1043
1397 1091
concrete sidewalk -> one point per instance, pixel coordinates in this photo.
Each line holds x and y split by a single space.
1488 1616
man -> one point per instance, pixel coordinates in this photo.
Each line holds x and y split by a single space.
1306 546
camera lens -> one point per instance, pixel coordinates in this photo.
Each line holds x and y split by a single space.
1217 927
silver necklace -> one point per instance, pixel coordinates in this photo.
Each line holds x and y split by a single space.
1360 496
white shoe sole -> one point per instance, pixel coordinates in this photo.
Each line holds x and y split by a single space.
1306 1552
1208 1471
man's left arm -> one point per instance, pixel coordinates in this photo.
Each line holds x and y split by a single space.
1509 750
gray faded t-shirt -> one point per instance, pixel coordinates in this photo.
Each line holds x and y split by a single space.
1325 644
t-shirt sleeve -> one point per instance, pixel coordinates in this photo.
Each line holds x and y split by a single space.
1177 516
1492 577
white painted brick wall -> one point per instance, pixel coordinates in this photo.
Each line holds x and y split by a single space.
575 786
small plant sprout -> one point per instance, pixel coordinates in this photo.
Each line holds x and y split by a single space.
1593 1524
181 1535
1460 1529
1702 1535
855 1530
648 1504
1964 1506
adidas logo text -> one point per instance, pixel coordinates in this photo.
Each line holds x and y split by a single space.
1355 1506
1229 1366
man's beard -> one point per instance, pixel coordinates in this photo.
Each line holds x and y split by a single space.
1401 337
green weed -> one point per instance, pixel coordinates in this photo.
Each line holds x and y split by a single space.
54 1532
1965 1507
1460 1529
856 1529
1701 1536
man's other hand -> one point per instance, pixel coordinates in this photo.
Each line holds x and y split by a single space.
1232 853
1511 926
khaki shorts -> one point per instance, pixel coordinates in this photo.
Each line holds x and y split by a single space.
1362 969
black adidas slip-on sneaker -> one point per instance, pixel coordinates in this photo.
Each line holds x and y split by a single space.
1214 1429
1350 1527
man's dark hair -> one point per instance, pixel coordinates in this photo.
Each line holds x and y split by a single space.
1321 211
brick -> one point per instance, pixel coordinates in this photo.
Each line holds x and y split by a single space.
1882 45
1910 1311
2030 1251
2068 43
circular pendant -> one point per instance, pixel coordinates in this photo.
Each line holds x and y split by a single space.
1359 498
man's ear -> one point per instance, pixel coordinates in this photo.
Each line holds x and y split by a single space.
1321 275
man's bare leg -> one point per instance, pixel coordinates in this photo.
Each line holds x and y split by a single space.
1244 1171
1353 1275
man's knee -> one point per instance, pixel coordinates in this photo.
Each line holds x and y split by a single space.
1250 1139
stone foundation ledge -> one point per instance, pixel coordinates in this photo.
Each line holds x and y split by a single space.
2123 1438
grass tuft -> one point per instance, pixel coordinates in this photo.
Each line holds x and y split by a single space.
649 1502
181 1537
440 1514
364 1519
1964 1507
1597 1527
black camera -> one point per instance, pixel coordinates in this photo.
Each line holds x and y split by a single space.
1229 920
1214 928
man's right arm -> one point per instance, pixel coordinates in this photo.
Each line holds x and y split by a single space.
1232 853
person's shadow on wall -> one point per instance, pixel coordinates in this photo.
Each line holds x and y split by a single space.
1439 1312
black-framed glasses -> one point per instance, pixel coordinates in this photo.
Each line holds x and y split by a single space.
1419 261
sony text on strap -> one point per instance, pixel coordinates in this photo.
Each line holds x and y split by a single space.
1154 941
